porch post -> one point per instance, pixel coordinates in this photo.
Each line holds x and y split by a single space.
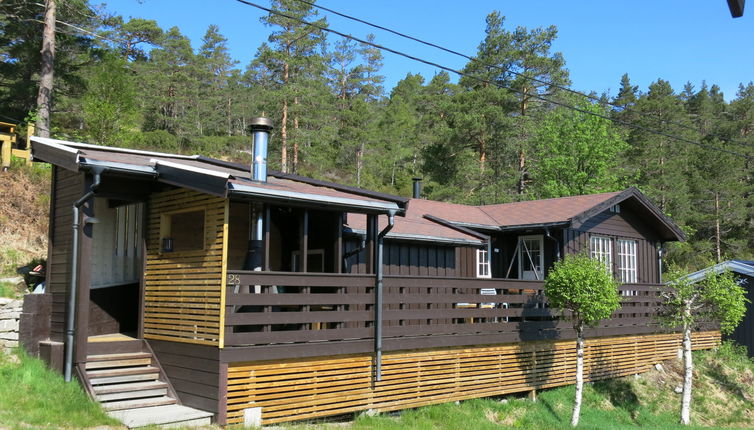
304 248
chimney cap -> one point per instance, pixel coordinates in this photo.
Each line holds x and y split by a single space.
260 123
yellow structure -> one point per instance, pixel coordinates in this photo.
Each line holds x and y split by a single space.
7 143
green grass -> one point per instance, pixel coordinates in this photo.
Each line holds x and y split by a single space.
9 289
33 397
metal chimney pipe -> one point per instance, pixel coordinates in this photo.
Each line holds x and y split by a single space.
417 187
260 130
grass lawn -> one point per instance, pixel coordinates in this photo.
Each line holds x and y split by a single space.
33 397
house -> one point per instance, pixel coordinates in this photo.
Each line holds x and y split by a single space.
744 271
265 298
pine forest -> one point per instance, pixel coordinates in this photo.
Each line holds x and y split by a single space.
507 129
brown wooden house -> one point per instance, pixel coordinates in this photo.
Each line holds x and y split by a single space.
271 298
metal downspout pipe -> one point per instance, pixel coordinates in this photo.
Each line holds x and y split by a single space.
378 299
660 251
70 329
557 243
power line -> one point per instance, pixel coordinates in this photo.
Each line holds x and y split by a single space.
502 69
482 80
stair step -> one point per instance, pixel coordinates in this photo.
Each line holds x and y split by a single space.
119 372
172 415
124 378
130 395
119 356
139 403
118 363
133 386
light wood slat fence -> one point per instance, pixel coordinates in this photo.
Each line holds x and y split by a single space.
182 299
296 389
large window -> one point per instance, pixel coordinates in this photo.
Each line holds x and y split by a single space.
627 261
601 248
483 264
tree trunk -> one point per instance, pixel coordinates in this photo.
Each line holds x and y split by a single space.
688 366
296 135
579 376
44 97
717 227
284 139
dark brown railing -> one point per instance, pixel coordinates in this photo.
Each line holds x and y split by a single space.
282 308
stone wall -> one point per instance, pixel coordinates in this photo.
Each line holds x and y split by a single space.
10 316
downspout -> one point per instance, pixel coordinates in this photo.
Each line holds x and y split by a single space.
557 243
660 252
378 299
70 329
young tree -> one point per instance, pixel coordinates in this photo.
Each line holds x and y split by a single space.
586 288
577 153
716 299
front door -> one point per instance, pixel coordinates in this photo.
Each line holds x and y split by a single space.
530 257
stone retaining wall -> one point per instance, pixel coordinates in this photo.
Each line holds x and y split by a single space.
10 315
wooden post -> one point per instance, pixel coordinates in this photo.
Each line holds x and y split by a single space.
338 244
5 151
266 260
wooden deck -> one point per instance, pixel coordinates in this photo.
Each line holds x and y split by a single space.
289 390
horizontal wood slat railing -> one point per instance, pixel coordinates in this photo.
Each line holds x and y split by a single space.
273 308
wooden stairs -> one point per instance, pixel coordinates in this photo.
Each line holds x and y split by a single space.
131 386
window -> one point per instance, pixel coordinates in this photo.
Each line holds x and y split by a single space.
627 261
483 264
182 231
601 248
615 209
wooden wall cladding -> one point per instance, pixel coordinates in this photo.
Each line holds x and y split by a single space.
289 390
183 290
67 187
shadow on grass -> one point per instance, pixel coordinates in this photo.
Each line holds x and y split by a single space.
621 395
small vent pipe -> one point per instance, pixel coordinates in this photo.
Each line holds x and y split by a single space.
260 130
417 188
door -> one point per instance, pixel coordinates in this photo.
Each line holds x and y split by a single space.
531 257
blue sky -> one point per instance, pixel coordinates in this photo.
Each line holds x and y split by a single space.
680 41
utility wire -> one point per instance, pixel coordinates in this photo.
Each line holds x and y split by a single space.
625 108
484 81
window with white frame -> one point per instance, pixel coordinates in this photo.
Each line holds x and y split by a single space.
483 264
627 261
601 248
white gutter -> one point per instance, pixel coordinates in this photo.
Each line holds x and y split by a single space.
122 150
312 198
194 169
120 166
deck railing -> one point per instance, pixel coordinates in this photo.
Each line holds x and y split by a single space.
275 308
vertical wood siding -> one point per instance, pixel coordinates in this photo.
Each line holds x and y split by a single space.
624 225
289 390
66 188
183 294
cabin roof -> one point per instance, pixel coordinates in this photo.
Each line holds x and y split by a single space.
212 176
742 267
557 212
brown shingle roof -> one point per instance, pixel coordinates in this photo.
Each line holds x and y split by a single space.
548 211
